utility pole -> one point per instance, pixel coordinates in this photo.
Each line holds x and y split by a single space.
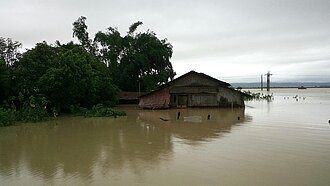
262 83
268 80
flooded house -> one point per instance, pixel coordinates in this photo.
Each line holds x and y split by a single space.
192 89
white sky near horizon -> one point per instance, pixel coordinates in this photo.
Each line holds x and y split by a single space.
234 41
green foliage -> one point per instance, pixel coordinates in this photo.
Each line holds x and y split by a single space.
111 47
50 79
78 111
4 81
98 110
102 111
7 117
137 60
9 54
147 63
9 50
80 31
65 75
133 27
33 110
31 114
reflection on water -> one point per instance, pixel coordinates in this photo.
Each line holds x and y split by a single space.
210 123
85 148
282 142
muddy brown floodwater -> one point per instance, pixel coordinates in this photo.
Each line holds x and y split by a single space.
282 142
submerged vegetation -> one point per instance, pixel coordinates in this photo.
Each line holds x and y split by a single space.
7 117
82 79
258 96
102 111
98 110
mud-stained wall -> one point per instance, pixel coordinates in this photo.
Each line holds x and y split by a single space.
229 98
206 97
164 98
203 100
157 100
193 90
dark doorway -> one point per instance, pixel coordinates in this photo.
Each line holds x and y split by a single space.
182 100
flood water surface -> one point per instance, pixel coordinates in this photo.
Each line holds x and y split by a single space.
282 142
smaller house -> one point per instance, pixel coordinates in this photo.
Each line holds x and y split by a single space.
192 89
129 97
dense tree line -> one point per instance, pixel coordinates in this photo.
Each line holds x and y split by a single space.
57 78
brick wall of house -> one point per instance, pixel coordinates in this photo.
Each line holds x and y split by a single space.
157 100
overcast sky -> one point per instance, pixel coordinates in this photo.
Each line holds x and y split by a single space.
235 41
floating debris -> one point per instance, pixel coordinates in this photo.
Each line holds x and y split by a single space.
163 119
194 119
259 96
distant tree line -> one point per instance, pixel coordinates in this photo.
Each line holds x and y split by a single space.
66 78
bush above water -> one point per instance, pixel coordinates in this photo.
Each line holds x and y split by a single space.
258 96
98 111
7 117
29 114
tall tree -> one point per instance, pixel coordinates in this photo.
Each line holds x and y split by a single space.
9 50
9 54
80 31
145 64
111 47
4 81
136 61
133 27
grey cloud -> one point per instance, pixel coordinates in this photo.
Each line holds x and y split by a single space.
268 34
